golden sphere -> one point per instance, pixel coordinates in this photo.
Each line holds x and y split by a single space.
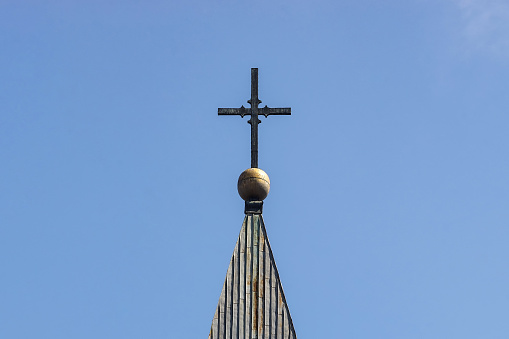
253 185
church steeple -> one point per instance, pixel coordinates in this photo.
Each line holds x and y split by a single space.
252 303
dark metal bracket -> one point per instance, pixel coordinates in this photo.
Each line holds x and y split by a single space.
253 207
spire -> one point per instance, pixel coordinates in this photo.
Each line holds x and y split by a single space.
252 304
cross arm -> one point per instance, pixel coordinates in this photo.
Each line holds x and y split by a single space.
234 111
266 111
275 111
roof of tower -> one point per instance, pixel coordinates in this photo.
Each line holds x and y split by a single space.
252 303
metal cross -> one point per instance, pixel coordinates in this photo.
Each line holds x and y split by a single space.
253 112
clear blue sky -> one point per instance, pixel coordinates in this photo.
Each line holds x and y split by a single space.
388 212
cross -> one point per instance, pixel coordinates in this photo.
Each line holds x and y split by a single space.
253 112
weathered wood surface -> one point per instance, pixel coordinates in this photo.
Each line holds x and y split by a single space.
252 303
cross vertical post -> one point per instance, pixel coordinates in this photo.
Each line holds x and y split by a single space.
253 112
254 101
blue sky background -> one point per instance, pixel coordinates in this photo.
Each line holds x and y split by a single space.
388 212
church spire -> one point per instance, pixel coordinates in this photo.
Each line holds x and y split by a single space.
252 304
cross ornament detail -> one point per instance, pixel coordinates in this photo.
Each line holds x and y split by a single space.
254 111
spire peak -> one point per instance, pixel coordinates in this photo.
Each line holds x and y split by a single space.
252 304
